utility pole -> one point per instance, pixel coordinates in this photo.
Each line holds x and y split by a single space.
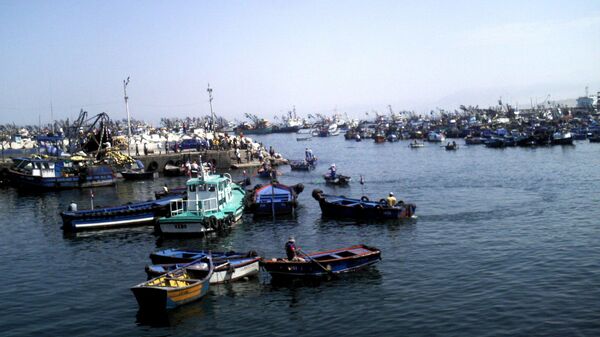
125 83
212 114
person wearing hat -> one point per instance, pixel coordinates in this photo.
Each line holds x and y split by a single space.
291 250
332 170
391 200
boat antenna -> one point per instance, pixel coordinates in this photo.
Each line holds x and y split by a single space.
212 113
125 83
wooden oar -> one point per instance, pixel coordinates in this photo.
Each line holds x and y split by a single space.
315 261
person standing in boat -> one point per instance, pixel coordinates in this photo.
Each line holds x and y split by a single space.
308 155
72 207
332 170
391 200
291 250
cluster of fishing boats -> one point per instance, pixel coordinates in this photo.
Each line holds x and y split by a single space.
214 203
177 277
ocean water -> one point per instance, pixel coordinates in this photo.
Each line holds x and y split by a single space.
506 242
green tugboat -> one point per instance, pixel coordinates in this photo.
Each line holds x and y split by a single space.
214 202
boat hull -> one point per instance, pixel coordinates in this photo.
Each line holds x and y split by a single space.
322 264
338 180
138 175
164 298
342 207
174 288
197 224
174 256
21 180
121 216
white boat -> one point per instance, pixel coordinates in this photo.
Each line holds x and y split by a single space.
436 137
227 271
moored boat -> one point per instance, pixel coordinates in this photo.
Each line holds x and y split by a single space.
172 255
437 137
133 214
226 270
176 287
59 174
472 140
214 202
274 199
562 138
137 175
320 264
137 172
363 208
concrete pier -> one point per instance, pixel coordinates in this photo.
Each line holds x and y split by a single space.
224 160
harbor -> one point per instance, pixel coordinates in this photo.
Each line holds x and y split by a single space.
300 169
473 241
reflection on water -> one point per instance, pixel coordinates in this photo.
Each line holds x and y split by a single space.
173 317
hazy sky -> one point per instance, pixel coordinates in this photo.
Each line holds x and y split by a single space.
263 57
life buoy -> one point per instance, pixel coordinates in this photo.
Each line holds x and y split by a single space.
364 198
383 201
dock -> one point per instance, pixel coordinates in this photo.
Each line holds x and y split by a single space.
222 159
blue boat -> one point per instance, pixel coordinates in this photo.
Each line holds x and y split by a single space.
58 174
320 264
495 143
274 198
172 255
134 214
363 208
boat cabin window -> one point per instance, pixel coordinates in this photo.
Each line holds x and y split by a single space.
212 188
192 188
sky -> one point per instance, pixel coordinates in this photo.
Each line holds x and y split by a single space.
265 57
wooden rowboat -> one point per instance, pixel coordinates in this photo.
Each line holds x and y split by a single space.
331 262
169 256
176 287
227 270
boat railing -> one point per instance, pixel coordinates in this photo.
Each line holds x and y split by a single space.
228 176
177 206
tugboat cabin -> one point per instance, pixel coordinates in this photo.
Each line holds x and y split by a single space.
206 194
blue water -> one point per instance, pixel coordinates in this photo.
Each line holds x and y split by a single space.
507 242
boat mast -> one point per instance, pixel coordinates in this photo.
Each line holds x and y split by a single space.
212 114
125 83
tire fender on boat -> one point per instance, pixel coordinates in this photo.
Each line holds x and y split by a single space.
317 194
364 198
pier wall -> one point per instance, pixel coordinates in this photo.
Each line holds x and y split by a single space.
223 159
